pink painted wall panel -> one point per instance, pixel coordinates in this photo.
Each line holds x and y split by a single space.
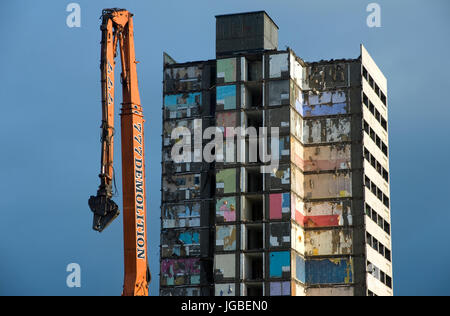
275 206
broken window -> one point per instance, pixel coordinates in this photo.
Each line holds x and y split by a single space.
252 95
252 208
254 68
279 93
253 266
254 180
179 79
254 119
253 236
254 289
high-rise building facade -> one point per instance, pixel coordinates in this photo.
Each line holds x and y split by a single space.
318 223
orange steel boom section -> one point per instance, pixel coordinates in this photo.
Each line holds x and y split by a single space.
117 30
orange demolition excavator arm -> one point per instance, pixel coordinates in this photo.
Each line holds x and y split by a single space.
117 31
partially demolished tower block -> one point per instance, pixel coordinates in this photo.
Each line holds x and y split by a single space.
319 224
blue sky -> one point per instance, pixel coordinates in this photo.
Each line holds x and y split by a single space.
49 127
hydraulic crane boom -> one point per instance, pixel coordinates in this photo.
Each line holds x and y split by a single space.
117 30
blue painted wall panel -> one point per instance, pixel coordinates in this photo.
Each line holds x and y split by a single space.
334 271
175 101
189 238
226 96
326 271
318 110
279 262
300 268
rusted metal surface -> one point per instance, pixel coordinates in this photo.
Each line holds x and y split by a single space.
326 130
297 238
298 180
323 158
327 76
323 103
325 186
328 242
